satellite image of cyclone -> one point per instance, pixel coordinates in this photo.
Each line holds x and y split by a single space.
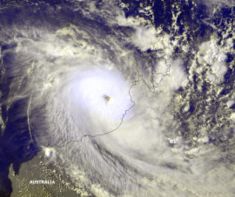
117 98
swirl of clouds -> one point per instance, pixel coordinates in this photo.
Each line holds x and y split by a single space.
122 98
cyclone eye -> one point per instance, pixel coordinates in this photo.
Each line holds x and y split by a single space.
107 98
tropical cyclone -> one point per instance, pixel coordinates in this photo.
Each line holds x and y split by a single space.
111 104
68 75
